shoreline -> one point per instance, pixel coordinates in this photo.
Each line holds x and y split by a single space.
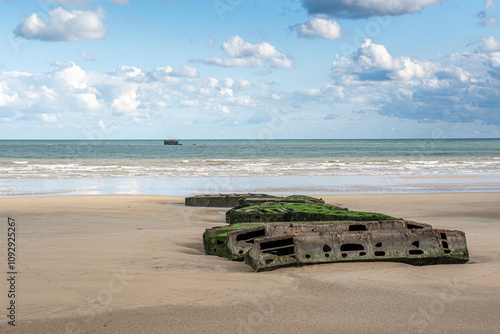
307 185
125 263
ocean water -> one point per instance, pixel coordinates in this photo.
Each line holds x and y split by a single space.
46 167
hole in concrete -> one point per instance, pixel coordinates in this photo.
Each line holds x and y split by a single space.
416 244
378 244
220 242
344 254
276 243
240 252
380 253
443 236
413 226
269 261
362 253
351 247
327 248
250 236
357 227
278 247
447 251
416 252
308 256
327 255
445 244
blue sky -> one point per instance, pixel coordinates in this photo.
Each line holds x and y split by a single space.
222 69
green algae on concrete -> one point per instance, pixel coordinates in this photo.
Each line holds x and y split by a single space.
282 211
215 239
223 200
301 230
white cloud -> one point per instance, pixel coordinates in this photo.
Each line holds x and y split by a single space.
67 88
184 72
49 118
372 62
319 27
244 54
87 56
366 8
233 62
490 44
235 46
128 93
86 102
63 25
69 74
127 102
462 87
374 55
127 72
5 97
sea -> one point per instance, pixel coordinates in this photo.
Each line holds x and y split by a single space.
83 167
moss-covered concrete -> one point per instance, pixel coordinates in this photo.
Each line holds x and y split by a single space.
300 230
223 200
290 211
215 239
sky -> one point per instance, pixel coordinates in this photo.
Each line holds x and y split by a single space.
249 69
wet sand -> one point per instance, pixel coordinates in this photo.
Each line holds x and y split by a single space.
130 264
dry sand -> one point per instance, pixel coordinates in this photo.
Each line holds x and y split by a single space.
135 264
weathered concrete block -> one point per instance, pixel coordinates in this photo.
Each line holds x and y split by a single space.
234 241
223 200
423 246
300 230
283 211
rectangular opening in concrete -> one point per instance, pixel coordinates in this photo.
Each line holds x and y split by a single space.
416 252
278 247
445 244
357 227
351 247
379 253
251 236
413 226
443 236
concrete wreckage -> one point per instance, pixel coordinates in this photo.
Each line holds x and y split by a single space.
301 230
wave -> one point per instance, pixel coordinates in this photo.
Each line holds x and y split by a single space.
60 168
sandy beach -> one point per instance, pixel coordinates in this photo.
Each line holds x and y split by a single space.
135 264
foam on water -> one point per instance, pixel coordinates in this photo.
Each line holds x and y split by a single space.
50 167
